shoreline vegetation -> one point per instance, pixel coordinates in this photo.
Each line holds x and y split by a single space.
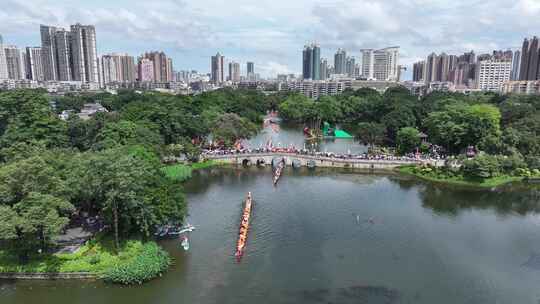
135 261
460 180
182 172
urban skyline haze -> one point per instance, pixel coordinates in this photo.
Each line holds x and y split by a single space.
273 33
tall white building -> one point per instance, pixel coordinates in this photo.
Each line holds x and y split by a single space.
118 68
84 53
340 62
14 60
33 64
492 73
516 64
62 40
381 64
109 69
69 55
217 68
3 63
367 63
324 70
48 52
234 71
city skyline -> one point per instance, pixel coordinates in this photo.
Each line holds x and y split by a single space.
270 37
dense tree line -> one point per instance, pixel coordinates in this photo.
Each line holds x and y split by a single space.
505 126
52 170
493 123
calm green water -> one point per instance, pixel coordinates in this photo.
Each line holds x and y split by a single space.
335 237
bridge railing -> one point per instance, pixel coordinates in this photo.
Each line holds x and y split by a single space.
319 158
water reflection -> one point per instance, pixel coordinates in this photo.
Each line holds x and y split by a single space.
442 199
504 202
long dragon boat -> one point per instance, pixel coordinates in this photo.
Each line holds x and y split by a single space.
278 171
244 227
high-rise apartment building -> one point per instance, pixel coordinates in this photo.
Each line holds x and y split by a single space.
118 68
234 71
311 62
350 67
381 64
250 68
442 68
33 64
109 69
493 72
63 59
459 70
324 70
250 71
3 63
162 67
84 53
69 55
530 60
367 63
516 64
15 63
307 69
48 52
169 69
128 70
340 62
316 63
419 71
145 70
217 68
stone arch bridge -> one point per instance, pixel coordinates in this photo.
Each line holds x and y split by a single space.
293 159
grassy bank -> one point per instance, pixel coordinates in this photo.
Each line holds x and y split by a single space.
135 262
458 179
182 172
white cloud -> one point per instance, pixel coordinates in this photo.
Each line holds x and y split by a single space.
274 68
272 32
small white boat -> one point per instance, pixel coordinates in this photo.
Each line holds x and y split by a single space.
185 243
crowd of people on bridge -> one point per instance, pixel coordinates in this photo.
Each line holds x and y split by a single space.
346 156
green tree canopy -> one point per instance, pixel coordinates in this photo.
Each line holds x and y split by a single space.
408 139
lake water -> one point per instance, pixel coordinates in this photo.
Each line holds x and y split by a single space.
330 236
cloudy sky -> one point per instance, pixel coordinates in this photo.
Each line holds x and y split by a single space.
272 32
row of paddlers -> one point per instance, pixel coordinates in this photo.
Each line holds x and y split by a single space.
246 213
278 171
244 227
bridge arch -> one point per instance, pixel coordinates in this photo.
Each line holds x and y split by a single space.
246 162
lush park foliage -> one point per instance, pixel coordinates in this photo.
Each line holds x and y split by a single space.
97 256
504 127
53 172
149 263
